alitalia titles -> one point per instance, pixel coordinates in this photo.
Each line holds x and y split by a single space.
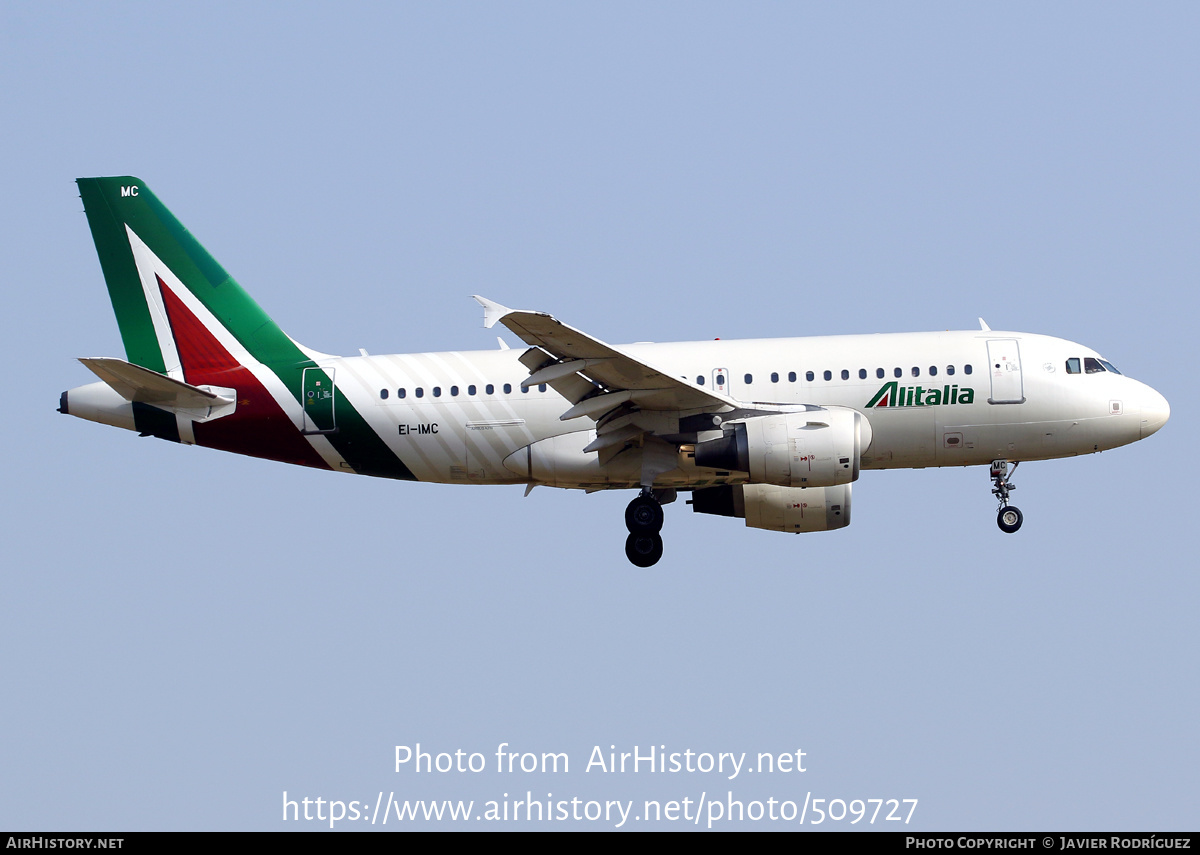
894 395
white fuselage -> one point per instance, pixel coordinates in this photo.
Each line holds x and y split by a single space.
948 399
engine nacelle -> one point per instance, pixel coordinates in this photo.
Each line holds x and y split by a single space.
819 448
794 509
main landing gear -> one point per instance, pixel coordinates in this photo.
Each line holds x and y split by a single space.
644 519
1009 517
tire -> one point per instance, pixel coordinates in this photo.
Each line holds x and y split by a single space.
1009 519
643 550
644 516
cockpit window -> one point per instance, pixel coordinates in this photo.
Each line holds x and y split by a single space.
1073 365
1092 366
1109 366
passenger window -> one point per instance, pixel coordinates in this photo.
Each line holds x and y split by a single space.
916 372
453 391
383 393
809 376
437 391
471 390
420 392
933 371
720 379
791 376
828 375
490 389
898 372
700 380
950 370
967 369
774 376
508 388
845 374
862 374
400 393
879 373
541 387
1073 365
749 379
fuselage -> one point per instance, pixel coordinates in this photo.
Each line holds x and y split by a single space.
932 399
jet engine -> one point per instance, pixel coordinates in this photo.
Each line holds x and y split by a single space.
794 509
818 448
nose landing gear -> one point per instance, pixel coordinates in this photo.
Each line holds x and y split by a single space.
644 519
1009 517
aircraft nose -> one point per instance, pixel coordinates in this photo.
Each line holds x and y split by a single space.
1155 412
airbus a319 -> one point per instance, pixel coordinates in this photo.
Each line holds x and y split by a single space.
773 431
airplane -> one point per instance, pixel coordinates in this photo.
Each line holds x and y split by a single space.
772 431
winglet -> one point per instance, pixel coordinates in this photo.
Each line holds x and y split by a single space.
492 311
982 324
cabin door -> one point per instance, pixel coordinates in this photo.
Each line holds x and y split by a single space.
1004 366
318 397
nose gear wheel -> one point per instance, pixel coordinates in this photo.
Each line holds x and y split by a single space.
1008 517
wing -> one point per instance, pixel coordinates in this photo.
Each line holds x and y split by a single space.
625 396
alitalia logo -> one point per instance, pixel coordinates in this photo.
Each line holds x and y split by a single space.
894 395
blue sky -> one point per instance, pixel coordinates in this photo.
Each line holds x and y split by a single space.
189 634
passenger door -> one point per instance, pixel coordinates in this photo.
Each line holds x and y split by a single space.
1004 366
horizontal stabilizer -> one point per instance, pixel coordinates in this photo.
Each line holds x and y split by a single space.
137 384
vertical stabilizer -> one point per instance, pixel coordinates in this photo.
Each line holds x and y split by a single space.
156 272
183 317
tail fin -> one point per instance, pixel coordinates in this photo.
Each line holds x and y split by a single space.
232 380
170 296
208 366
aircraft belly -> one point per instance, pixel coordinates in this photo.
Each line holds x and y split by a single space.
560 461
981 443
901 437
447 448
486 446
1044 440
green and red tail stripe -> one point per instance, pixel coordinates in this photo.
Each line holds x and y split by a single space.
181 315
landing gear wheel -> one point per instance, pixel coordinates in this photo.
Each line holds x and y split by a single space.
644 516
1009 519
644 550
